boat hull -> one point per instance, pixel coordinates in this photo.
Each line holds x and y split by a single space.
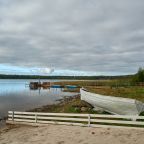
114 105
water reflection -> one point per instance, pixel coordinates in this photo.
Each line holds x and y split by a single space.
16 95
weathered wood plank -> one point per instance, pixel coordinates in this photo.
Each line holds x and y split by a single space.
23 120
64 123
50 114
61 118
116 116
27 113
23 116
113 126
117 122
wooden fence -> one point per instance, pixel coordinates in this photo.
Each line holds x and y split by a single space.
91 120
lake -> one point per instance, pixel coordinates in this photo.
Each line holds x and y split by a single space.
16 95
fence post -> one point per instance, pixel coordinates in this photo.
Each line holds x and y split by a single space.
134 119
88 120
36 118
13 116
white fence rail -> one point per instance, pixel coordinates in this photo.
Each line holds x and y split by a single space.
93 120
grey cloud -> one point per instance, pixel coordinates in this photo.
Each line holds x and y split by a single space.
94 35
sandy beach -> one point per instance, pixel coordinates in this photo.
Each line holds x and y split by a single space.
61 134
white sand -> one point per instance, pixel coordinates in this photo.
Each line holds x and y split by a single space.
60 134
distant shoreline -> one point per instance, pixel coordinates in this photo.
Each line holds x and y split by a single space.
102 77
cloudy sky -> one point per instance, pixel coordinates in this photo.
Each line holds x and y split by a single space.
76 37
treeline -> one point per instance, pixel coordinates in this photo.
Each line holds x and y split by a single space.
139 76
2 76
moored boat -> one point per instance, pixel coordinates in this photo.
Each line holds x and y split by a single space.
114 105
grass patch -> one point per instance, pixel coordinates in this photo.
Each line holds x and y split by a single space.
133 92
117 88
68 105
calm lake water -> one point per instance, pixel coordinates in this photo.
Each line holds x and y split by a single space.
16 95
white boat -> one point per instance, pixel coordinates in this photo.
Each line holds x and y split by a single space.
114 105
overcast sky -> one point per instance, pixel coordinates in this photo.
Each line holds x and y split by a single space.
73 36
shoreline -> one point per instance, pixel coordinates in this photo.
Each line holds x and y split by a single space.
71 104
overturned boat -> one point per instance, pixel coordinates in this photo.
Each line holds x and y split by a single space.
114 105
